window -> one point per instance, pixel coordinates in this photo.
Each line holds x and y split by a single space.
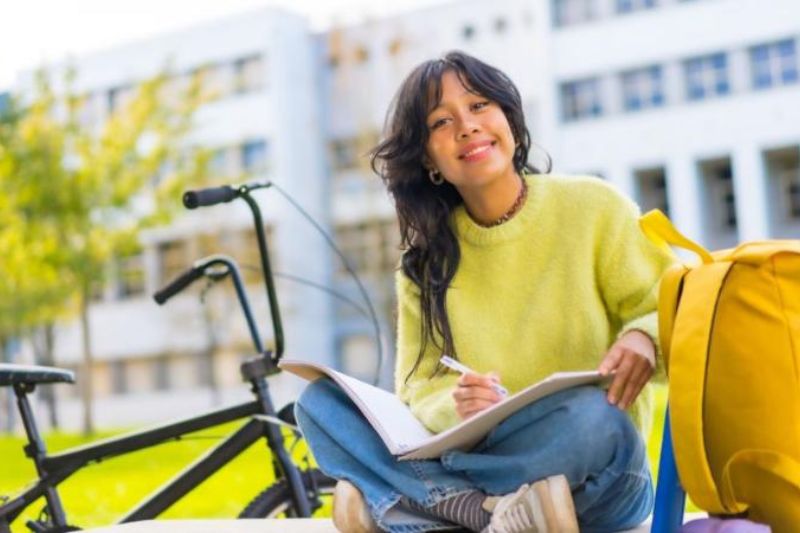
254 156
344 154
173 260
790 182
628 6
248 74
130 276
361 54
174 89
581 99
783 169
358 355
773 64
651 189
349 153
707 76
468 32
119 380
396 46
794 196
642 88
720 224
89 111
161 373
213 79
119 97
219 166
371 246
568 12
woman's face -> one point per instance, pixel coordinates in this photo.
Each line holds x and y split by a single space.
470 140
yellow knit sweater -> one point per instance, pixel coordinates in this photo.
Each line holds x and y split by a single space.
547 291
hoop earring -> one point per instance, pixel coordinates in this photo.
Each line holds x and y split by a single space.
435 177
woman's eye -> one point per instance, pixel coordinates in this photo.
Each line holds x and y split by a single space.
479 105
438 123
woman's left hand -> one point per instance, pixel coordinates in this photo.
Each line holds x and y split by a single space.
633 360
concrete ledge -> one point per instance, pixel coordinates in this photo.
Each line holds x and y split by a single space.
296 525
306 525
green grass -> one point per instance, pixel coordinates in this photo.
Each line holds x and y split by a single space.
100 494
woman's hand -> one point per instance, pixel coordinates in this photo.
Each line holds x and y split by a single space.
633 360
474 393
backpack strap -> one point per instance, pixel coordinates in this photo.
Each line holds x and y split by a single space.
669 294
658 228
687 379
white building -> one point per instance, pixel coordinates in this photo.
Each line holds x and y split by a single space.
689 106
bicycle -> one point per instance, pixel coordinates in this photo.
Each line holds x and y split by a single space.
296 491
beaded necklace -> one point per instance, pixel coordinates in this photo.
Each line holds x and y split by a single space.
515 207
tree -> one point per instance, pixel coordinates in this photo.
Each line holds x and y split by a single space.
74 195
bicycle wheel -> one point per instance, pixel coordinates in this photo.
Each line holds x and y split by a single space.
275 501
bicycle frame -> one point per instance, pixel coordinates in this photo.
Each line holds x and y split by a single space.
55 468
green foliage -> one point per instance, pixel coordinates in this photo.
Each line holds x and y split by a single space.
75 194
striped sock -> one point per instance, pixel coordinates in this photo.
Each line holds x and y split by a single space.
465 509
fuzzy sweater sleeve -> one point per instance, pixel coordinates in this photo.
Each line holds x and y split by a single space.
429 397
629 271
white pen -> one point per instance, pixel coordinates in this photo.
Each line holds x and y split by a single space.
449 362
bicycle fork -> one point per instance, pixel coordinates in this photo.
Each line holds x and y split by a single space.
255 371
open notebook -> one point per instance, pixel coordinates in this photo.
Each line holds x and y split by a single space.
406 437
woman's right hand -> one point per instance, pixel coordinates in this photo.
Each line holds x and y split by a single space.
475 393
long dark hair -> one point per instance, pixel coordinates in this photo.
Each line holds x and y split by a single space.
432 253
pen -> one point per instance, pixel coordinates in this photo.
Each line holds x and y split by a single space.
449 362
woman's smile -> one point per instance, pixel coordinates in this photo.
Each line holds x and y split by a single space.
476 151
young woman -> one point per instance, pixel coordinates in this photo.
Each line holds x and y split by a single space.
517 274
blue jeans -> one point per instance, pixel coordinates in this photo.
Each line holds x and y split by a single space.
574 432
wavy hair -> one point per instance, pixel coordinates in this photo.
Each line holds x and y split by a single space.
431 251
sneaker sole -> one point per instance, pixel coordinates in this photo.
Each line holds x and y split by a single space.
563 507
350 513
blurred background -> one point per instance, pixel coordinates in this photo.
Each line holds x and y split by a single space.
691 107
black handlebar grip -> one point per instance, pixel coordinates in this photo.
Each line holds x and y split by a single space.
210 196
177 285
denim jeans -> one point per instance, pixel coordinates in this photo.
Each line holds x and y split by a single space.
574 432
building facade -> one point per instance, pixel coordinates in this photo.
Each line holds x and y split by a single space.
687 106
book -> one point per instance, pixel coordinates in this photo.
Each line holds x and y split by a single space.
406 437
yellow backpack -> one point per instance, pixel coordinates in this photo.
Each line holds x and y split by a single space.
730 335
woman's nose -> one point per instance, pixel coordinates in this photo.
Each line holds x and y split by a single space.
467 128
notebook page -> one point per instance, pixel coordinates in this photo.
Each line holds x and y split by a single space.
386 412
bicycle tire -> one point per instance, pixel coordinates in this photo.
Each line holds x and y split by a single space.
276 501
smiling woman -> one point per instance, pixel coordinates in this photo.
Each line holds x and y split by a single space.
517 274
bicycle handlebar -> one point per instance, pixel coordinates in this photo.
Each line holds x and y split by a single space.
178 284
210 196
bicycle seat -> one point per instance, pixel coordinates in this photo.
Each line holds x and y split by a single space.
13 374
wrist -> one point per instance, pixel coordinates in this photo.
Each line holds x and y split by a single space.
642 341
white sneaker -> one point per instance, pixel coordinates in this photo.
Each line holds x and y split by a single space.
544 507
